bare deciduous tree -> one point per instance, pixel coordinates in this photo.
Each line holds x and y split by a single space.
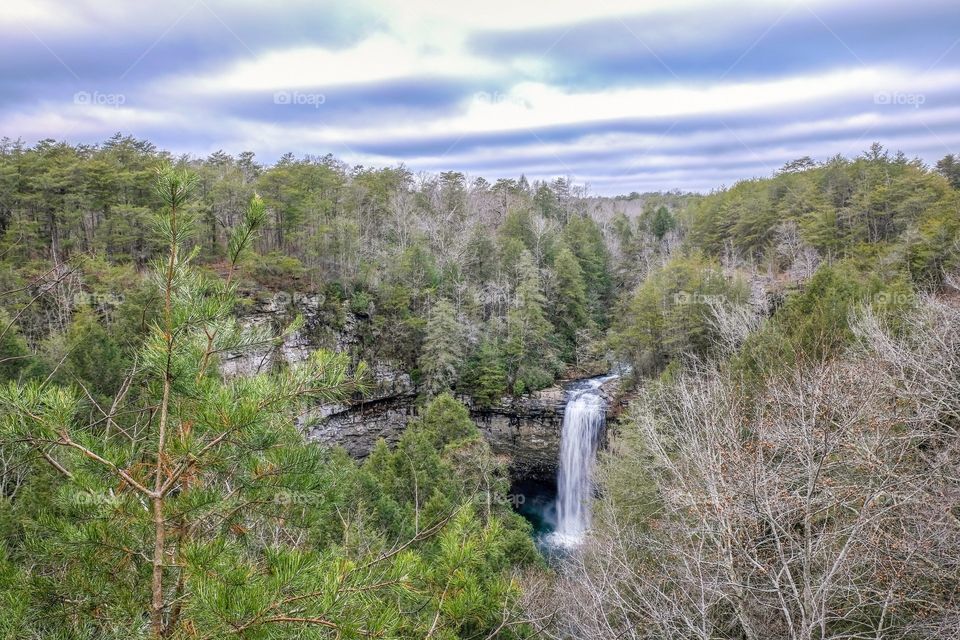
823 505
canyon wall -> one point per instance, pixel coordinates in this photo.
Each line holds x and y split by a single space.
525 430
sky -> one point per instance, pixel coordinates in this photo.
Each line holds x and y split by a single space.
621 96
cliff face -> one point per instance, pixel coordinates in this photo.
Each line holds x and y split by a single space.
357 427
525 430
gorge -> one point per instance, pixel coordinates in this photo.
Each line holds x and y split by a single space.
525 430
194 449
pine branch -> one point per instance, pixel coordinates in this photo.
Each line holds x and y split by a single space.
66 441
56 465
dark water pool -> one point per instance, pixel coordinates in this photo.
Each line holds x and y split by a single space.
536 500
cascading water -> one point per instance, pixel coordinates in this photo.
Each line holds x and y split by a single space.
584 419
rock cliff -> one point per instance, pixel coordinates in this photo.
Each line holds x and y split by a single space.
525 430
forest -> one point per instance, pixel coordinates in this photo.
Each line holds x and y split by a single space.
787 464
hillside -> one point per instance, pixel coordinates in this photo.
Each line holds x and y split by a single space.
787 467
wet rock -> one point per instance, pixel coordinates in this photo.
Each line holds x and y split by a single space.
525 430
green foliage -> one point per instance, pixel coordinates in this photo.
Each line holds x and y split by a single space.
360 303
389 244
187 504
812 325
570 300
528 349
130 464
277 271
585 239
442 353
662 222
840 207
949 168
15 355
669 315
93 357
395 329
446 421
485 377
481 262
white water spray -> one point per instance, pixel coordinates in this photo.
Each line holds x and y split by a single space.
583 422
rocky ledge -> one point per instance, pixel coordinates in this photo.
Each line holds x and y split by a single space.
525 430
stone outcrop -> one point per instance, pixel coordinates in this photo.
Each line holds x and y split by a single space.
270 314
383 413
525 430
357 428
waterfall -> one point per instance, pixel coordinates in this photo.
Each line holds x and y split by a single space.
583 421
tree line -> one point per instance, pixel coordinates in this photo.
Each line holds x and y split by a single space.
787 469
484 289
190 506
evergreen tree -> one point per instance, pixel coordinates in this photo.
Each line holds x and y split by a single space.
15 355
585 239
570 305
530 356
661 223
442 354
486 377
623 230
670 314
949 168
93 358
142 506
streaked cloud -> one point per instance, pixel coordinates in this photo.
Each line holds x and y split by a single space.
621 95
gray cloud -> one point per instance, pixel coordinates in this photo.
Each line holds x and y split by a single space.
433 121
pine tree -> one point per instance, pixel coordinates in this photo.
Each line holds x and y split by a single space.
93 359
15 355
662 223
530 356
570 306
486 376
949 168
442 354
585 240
143 503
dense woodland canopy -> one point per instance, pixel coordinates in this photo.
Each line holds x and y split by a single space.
383 244
787 469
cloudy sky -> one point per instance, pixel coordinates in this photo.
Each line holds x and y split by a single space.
620 95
